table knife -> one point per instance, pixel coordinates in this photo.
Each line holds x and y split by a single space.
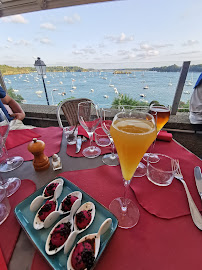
198 179
78 144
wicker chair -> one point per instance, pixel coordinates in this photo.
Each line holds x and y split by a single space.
70 109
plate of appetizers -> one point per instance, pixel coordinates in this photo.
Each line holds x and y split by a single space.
68 219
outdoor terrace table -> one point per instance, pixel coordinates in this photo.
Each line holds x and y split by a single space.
154 243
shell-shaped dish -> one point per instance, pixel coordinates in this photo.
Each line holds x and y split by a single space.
47 246
88 206
93 240
60 181
37 202
38 224
92 237
77 194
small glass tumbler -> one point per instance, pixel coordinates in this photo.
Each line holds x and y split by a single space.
4 205
161 173
102 139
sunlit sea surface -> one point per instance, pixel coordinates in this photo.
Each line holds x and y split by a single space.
101 87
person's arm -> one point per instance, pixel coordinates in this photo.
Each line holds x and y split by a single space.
18 112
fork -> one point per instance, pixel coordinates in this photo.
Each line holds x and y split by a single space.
195 214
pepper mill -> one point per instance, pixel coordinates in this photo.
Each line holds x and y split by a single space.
41 161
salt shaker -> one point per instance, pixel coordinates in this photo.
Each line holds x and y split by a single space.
56 162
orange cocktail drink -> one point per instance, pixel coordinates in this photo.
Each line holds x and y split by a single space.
133 132
162 115
132 138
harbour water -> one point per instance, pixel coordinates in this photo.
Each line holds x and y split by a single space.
101 87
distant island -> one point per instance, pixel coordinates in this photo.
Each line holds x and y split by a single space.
121 72
8 70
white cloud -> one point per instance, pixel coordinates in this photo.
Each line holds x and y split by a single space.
72 19
84 51
14 19
145 47
23 42
45 41
190 42
122 38
48 26
9 39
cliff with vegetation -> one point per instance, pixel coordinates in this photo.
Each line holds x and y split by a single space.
8 70
175 68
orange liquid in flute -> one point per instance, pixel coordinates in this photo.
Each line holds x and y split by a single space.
132 138
163 115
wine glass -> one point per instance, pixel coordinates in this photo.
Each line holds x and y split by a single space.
132 132
4 205
107 115
10 163
89 119
161 115
13 183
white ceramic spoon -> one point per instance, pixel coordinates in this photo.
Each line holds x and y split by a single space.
69 218
103 228
84 207
39 224
55 214
37 202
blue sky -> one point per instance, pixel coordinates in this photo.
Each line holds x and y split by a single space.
116 34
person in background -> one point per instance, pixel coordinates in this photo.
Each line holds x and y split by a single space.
195 106
10 107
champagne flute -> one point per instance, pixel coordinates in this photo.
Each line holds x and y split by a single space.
132 132
161 115
89 119
141 168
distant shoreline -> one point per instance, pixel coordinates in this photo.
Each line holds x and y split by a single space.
9 70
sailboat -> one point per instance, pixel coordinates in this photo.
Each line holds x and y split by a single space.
190 82
73 87
170 83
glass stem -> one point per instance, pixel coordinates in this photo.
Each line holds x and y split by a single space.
126 185
90 134
5 151
112 146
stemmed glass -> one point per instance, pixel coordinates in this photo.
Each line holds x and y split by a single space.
10 163
141 168
89 119
107 115
11 184
161 115
132 132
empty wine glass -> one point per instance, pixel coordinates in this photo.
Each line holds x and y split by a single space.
10 163
107 115
4 205
89 119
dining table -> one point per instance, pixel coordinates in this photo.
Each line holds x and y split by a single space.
165 236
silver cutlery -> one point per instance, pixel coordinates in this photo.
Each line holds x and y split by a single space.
198 179
195 214
78 144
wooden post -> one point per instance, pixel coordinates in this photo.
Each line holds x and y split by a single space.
180 86
2 83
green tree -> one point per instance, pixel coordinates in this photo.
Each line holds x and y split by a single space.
15 96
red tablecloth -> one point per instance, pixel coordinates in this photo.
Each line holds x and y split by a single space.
154 243
10 229
52 137
170 201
